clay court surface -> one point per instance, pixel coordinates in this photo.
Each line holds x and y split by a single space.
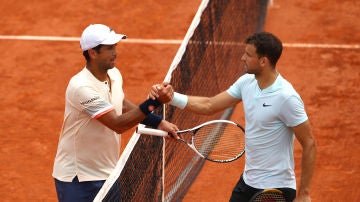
34 75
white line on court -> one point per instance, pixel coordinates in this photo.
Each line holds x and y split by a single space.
171 41
313 45
59 38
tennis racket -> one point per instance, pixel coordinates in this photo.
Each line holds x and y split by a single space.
269 195
217 140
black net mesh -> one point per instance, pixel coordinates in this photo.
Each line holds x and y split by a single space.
210 64
141 178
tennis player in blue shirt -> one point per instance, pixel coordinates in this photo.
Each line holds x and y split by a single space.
274 116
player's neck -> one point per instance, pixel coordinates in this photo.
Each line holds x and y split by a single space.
100 74
266 79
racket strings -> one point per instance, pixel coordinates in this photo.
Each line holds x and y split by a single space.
219 141
269 196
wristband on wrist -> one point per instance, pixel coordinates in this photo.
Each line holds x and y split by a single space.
179 100
152 120
149 105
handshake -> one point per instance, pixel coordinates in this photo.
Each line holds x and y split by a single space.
162 92
165 94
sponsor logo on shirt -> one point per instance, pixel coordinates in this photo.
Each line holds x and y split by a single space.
266 105
89 101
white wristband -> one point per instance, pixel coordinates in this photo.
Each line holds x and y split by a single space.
179 100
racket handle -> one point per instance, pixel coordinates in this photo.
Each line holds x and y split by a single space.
149 131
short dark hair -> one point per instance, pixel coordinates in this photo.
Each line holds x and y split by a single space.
86 53
267 45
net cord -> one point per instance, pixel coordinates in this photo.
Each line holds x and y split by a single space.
173 65
186 39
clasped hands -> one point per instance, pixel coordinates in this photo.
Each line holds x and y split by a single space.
163 92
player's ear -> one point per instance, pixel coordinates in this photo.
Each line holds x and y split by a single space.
92 53
264 61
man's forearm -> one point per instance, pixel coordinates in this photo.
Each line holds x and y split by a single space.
199 105
307 168
196 104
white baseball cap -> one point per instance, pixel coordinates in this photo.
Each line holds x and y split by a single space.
96 34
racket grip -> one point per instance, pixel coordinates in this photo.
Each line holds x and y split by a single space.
150 131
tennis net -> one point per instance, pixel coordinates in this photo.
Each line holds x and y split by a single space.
207 62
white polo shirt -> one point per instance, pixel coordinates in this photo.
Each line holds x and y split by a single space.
87 148
269 141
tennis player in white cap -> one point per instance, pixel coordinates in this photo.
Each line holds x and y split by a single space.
96 113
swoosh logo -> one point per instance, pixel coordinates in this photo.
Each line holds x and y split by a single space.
265 105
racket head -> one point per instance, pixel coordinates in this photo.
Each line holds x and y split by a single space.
269 195
219 141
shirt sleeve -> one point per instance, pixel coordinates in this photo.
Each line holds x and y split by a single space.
236 89
89 101
292 112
